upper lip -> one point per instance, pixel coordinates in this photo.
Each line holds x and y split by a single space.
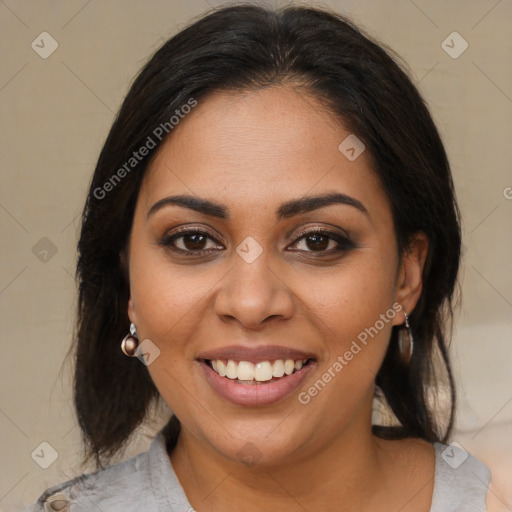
255 354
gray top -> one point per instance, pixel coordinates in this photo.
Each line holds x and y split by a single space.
148 482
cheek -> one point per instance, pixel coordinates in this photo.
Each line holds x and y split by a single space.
166 301
353 297
357 316
166 297
355 309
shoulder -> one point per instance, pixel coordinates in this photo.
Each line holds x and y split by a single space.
461 480
144 482
115 488
451 478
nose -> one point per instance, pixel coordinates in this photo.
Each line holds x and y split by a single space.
253 294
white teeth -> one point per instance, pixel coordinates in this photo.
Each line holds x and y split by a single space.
263 371
278 370
231 370
245 370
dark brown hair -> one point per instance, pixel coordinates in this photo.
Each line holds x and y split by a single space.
248 47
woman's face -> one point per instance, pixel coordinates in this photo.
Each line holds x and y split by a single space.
289 255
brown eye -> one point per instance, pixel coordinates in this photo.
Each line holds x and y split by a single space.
190 241
317 242
322 243
194 241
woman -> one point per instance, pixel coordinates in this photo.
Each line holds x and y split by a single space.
270 245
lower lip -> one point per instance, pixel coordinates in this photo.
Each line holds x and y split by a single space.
259 394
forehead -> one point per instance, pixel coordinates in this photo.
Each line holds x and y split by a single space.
256 149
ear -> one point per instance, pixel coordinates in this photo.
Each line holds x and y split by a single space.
131 311
123 257
410 277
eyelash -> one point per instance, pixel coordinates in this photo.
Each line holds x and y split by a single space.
344 244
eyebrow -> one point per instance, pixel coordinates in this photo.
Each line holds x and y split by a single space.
286 210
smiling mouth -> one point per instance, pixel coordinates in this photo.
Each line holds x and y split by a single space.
263 372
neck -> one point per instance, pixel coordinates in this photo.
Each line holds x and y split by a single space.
312 481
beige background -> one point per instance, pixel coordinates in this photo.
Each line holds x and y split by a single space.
54 117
